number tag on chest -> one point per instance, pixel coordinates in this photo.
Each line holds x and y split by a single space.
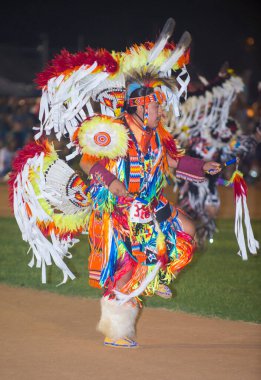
139 213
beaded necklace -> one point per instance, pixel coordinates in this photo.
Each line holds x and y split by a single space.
142 165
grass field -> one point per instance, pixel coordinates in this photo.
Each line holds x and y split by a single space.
217 282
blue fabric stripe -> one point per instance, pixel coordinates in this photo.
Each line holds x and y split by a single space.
109 270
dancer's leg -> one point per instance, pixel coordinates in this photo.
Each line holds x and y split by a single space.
186 224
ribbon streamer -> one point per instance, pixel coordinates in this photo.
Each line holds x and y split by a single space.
240 195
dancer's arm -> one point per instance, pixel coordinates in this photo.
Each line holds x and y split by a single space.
103 176
193 169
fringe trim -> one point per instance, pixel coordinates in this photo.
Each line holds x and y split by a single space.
189 177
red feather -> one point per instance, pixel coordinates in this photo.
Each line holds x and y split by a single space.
29 151
67 61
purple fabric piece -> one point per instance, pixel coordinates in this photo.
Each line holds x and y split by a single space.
191 168
102 175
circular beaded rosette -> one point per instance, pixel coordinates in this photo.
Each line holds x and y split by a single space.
102 136
102 139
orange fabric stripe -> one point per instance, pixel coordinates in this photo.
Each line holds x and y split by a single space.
96 244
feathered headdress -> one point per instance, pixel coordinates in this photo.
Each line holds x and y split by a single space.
93 83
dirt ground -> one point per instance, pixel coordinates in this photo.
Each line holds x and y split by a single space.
47 336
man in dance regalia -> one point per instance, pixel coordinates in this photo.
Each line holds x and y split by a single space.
109 105
150 239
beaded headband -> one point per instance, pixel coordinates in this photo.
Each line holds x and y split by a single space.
156 96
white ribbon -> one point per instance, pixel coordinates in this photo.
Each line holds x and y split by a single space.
183 83
123 298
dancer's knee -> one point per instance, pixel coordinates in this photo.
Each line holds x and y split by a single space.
188 226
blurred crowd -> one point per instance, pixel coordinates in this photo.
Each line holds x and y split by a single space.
18 116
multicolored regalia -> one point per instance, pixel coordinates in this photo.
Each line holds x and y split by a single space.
137 241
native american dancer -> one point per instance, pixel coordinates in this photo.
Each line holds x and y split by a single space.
207 132
109 105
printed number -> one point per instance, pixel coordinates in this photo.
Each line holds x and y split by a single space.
141 212
137 213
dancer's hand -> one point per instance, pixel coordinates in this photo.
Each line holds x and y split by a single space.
117 188
212 167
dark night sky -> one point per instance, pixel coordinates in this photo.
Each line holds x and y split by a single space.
218 28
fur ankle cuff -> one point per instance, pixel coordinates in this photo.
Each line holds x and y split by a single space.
117 321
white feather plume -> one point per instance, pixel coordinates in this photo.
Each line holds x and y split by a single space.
182 45
165 34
